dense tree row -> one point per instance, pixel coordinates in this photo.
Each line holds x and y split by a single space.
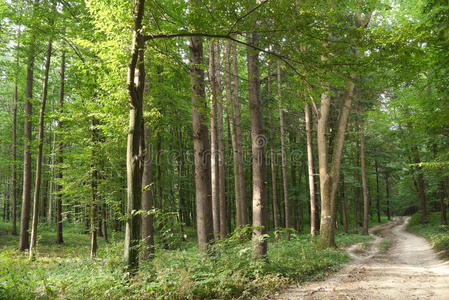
291 116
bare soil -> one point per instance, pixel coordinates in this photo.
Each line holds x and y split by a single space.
408 270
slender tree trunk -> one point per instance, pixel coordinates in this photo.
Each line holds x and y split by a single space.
376 164
239 141
104 218
357 191
232 131
14 141
364 184
344 206
52 175
147 201
387 195
221 146
201 147
26 190
95 223
40 143
59 235
214 142
258 142
272 159
136 87
283 155
313 213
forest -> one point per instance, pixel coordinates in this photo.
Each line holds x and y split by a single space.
222 149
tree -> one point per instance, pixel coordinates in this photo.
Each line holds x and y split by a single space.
200 146
40 142
258 142
135 87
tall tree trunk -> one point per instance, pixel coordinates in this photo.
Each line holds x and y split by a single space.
147 201
258 142
52 175
221 146
313 213
357 191
376 164
26 190
283 156
421 184
364 184
59 235
272 158
201 147
95 224
14 141
214 142
135 86
239 141
40 143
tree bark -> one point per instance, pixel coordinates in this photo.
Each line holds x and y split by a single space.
258 143
59 235
201 147
239 141
40 143
147 201
52 173
221 146
387 195
14 141
364 184
283 156
135 87
313 213
26 190
376 164
272 158
95 224
214 142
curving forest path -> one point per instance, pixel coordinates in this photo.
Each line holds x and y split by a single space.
408 270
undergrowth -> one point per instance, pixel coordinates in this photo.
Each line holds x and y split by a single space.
66 271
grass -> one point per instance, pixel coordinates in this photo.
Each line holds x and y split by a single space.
384 246
433 231
65 271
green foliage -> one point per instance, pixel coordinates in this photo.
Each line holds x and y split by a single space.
229 272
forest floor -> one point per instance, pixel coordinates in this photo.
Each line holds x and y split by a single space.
397 265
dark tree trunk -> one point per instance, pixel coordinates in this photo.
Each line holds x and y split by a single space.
59 237
272 159
40 143
387 195
377 192
135 86
26 190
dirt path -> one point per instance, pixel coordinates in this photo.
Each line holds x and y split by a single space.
409 270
